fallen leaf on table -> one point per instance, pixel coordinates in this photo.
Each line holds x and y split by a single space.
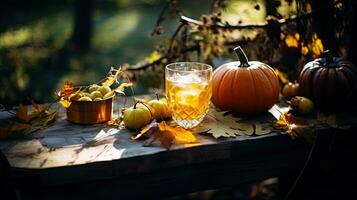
331 120
38 118
167 134
260 130
180 134
115 121
14 130
221 124
295 127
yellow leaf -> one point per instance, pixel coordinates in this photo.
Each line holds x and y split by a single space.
111 78
180 134
154 56
167 134
109 81
304 50
122 86
292 41
282 76
64 103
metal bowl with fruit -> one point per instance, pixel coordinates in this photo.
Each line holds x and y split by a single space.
90 105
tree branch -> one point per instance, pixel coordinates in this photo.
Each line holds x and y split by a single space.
186 21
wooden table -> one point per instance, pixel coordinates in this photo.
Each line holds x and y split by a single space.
58 163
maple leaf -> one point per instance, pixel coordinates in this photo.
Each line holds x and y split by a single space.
165 133
221 124
295 127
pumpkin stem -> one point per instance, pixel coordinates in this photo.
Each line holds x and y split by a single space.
157 96
328 56
242 57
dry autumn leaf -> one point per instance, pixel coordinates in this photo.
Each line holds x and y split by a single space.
38 118
295 127
165 133
331 120
259 129
65 103
282 76
180 134
14 130
221 125
121 87
67 92
68 89
111 78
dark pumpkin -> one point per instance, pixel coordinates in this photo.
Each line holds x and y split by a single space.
329 81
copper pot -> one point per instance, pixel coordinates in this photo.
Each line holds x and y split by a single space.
90 112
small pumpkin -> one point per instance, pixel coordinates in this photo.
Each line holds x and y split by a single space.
160 108
290 90
246 87
136 117
329 81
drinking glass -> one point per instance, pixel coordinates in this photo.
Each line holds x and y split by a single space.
188 91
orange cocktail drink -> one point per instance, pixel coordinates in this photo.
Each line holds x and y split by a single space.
188 90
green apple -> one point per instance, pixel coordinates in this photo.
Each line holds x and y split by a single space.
109 95
93 88
85 99
96 94
104 89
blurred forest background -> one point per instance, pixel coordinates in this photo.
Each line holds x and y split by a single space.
43 43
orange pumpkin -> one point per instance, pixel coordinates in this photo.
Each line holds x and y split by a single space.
246 87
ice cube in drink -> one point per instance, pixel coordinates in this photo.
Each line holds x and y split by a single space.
188 97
